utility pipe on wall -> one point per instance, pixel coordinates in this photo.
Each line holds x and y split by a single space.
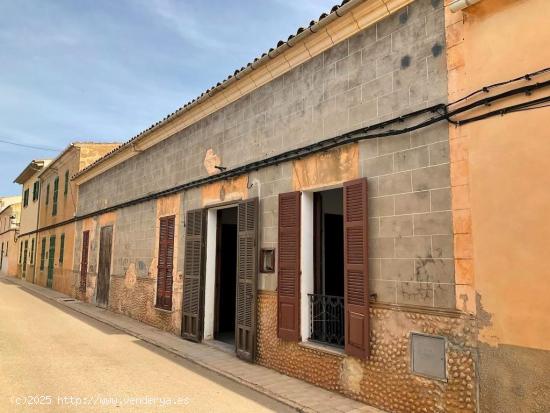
462 4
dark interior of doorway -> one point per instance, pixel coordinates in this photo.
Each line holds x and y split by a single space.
226 275
327 302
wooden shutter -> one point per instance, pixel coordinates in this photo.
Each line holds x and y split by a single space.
165 263
288 276
193 275
84 260
247 271
356 283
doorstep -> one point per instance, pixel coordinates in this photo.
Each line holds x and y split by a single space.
295 393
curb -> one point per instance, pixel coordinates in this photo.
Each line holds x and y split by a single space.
262 390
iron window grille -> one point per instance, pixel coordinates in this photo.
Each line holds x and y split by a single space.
326 319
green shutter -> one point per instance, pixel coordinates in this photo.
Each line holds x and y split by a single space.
61 247
35 190
26 197
55 192
20 252
32 251
66 190
43 254
47 194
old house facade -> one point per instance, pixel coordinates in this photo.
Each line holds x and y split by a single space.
9 225
26 239
332 209
56 211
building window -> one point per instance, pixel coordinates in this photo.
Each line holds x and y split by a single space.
20 252
66 190
35 190
165 263
47 194
61 247
43 254
55 192
32 252
26 197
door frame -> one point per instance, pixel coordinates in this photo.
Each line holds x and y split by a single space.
211 274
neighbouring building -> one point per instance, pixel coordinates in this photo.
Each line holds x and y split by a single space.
362 207
56 210
26 240
9 226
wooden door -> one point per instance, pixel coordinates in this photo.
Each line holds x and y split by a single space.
84 260
25 253
193 275
51 260
247 273
104 266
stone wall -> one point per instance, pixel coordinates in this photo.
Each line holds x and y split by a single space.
385 381
393 67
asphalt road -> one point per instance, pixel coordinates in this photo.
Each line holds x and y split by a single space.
55 360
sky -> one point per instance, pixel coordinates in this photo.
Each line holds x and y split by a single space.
104 70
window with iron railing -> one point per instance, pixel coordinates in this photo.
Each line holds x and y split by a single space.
326 319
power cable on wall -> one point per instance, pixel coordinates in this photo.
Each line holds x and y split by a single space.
352 137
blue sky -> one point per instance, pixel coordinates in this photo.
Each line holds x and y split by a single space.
104 70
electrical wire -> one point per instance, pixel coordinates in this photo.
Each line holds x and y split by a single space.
486 89
24 145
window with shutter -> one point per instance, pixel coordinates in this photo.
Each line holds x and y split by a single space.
193 275
356 285
55 193
32 252
43 254
26 198
84 260
165 263
47 194
66 189
247 259
35 189
288 275
61 247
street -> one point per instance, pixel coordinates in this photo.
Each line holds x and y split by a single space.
54 359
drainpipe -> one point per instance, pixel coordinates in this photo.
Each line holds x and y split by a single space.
458 5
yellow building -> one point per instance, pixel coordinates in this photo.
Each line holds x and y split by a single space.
56 210
30 188
9 224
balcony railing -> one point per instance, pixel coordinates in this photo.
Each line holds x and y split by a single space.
326 314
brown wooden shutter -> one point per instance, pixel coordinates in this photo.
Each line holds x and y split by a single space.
288 276
193 275
247 271
356 283
83 261
165 266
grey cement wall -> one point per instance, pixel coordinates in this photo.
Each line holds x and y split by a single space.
392 68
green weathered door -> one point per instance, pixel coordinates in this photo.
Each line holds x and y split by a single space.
51 260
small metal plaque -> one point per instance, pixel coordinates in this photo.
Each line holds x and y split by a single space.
428 356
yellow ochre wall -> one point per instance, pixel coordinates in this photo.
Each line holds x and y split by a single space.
501 181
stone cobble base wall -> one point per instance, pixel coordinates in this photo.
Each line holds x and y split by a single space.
385 381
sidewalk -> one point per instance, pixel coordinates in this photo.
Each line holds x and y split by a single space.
293 392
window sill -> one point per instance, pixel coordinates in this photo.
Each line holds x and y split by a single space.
162 310
334 351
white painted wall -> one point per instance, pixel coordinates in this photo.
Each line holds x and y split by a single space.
306 262
210 275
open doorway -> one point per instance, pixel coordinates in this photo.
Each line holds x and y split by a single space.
226 275
327 300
